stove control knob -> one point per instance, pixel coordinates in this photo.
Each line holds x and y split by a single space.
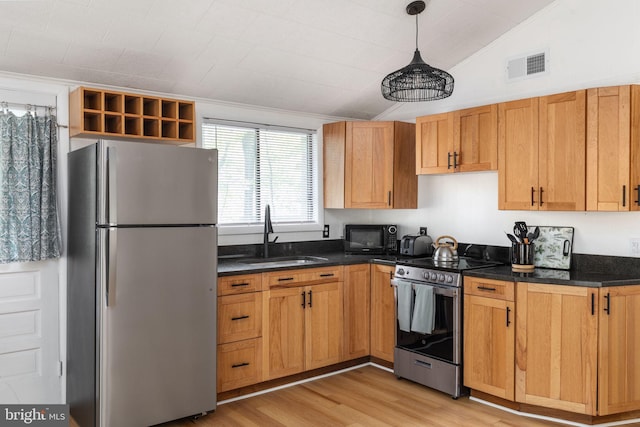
448 278
425 275
400 272
440 277
433 276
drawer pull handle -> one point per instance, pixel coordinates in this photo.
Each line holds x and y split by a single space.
284 279
423 364
240 365
326 275
486 288
240 317
235 285
508 320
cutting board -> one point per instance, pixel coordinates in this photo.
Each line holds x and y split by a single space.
553 247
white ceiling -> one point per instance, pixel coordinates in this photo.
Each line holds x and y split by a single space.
316 56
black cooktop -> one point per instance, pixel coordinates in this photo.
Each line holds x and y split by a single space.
463 263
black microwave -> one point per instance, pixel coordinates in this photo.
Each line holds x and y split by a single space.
370 239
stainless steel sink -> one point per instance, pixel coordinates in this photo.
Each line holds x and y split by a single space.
283 261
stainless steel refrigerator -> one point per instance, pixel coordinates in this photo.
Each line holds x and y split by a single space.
142 261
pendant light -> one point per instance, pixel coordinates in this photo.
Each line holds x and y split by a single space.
417 81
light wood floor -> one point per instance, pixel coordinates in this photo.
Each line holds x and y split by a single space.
366 396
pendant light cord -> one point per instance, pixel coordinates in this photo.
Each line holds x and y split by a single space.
417 30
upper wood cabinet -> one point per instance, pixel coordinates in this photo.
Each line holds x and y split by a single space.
613 148
97 112
541 152
367 165
459 141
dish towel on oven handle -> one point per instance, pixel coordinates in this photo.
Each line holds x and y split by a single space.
405 304
424 310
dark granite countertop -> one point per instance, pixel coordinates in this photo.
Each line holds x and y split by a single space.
593 279
586 270
240 265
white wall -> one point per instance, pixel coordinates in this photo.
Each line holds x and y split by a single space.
590 43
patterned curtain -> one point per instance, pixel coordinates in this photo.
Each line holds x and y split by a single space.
29 228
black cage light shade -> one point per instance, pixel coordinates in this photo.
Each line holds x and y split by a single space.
418 81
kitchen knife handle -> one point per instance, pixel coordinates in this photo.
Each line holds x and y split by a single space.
533 202
448 160
607 308
541 191
624 195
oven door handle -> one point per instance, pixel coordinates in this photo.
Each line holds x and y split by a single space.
447 291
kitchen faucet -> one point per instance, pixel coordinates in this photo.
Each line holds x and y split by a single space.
268 228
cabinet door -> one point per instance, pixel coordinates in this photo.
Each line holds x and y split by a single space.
475 138
383 313
434 144
562 152
323 325
283 335
608 133
635 149
518 155
619 349
556 345
369 165
239 317
357 298
239 364
333 150
489 334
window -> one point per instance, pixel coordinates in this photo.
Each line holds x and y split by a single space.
258 166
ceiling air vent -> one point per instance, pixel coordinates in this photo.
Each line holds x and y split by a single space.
527 66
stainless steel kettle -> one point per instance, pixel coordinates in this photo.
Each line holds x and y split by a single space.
445 251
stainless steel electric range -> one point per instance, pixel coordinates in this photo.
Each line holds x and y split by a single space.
429 321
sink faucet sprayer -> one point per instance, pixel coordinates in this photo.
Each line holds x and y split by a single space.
268 228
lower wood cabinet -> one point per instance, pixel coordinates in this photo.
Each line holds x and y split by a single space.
574 348
383 312
619 350
357 303
239 364
303 324
489 336
239 331
557 345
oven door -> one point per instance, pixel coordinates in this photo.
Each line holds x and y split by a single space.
443 343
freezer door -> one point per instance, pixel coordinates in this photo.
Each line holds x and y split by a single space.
142 183
157 346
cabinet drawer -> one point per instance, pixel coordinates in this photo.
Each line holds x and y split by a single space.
239 317
489 288
302 277
239 364
230 285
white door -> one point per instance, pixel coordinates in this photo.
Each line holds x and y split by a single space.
29 333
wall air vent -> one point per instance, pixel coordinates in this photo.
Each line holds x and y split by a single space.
527 66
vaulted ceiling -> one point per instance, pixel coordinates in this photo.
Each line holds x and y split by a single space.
325 57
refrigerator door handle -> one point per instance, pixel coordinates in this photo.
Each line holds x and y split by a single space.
111 265
112 185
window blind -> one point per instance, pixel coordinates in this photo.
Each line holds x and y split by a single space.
258 166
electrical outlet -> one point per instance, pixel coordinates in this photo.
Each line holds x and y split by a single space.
635 246
325 231
423 231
